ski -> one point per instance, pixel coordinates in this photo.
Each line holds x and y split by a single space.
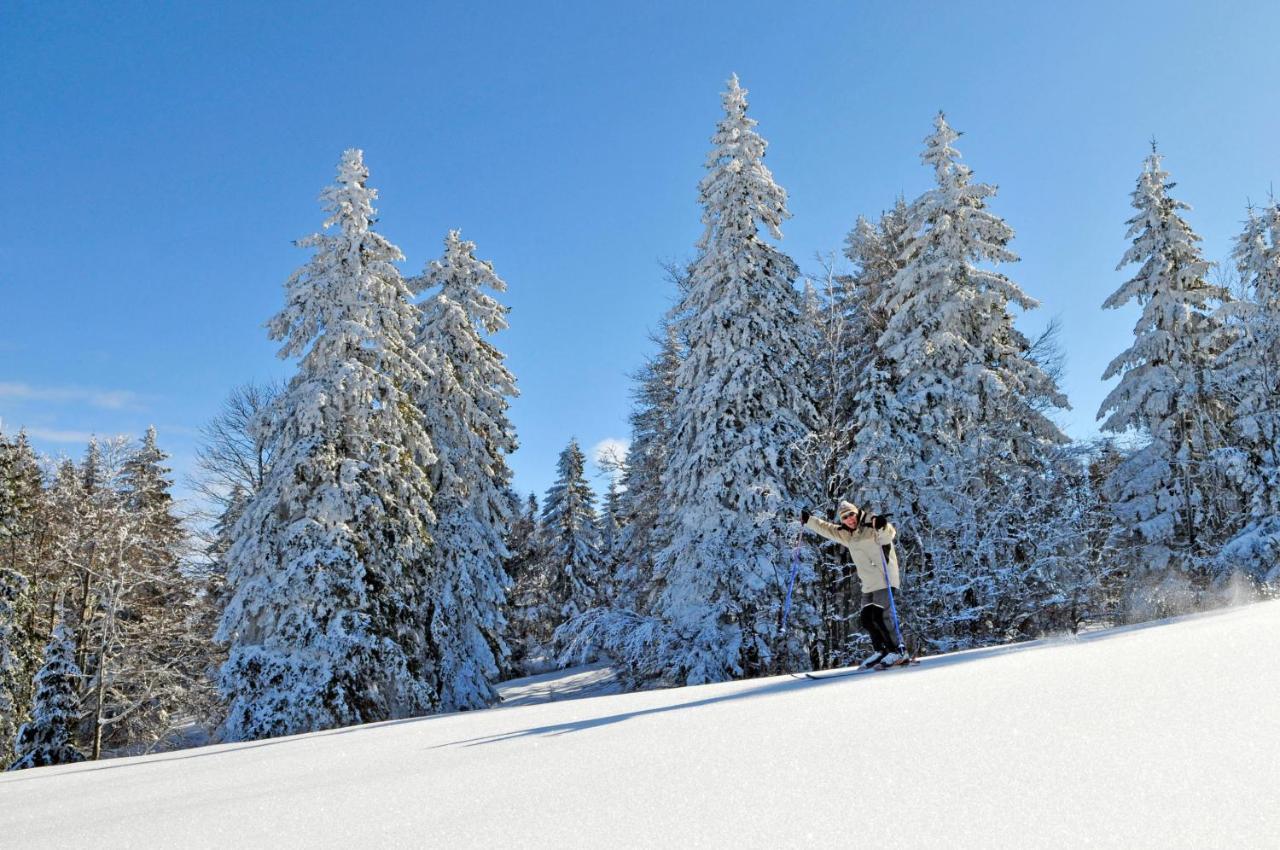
840 674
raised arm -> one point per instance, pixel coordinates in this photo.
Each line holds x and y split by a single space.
829 530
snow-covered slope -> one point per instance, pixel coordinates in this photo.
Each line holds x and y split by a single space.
1165 735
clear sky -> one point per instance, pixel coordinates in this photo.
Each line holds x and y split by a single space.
161 158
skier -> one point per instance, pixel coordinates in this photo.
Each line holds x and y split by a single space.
869 539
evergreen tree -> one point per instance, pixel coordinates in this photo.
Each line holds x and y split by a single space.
1169 497
22 507
328 571
47 738
868 402
523 536
159 534
850 378
94 509
16 658
528 603
233 462
953 414
641 498
1249 374
612 524
570 545
465 400
738 419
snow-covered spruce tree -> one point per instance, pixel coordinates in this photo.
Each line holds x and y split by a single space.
16 658
1249 375
11 508
867 399
23 507
528 599
48 737
738 419
1170 497
833 363
641 500
94 512
612 524
7 496
624 626
146 484
954 416
847 376
465 401
570 545
232 463
327 574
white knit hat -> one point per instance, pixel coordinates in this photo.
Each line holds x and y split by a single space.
847 508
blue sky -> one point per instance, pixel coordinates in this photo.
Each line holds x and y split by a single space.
161 158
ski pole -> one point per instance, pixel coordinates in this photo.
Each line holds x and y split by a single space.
893 606
791 583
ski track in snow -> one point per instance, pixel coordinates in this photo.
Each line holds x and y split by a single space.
1111 739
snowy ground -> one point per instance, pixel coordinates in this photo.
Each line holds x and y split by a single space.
593 680
1165 735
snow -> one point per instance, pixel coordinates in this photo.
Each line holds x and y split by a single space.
589 680
1162 735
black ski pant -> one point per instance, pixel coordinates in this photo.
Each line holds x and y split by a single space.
878 621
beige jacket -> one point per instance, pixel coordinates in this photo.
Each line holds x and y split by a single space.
864 546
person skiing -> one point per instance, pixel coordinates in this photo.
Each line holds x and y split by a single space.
869 539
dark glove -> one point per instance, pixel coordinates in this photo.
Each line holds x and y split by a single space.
804 516
878 522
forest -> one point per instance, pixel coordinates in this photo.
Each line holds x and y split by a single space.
358 552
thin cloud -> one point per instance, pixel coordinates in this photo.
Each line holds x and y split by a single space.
105 399
53 435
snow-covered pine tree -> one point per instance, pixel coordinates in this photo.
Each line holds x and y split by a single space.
953 418
232 464
868 401
16 658
641 500
522 537
834 366
527 602
465 401
9 509
21 505
327 574
570 545
739 417
848 377
145 484
1249 375
94 508
1170 498
48 737
612 522
625 626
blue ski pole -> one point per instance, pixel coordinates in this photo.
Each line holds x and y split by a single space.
893 606
791 583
